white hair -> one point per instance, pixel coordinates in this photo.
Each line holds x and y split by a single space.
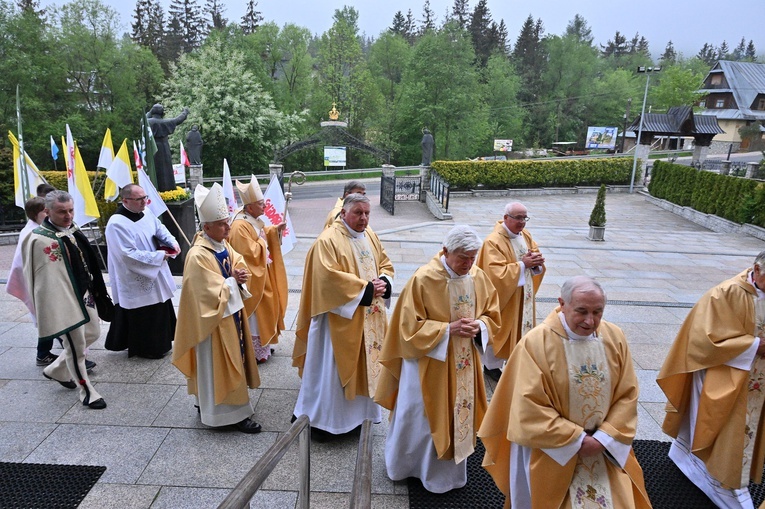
581 283
352 199
510 206
760 260
462 238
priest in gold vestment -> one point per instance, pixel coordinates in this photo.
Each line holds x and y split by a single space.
352 187
560 425
260 245
341 322
432 379
212 345
713 378
512 260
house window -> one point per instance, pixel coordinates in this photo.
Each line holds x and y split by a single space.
703 104
720 103
716 79
761 103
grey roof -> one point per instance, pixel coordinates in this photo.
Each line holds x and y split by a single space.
678 120
746 80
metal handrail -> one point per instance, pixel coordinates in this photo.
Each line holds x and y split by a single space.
361 493
241 495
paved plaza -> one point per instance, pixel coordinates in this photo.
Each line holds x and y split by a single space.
654 266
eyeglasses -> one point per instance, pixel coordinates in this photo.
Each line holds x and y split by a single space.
140 198
524 219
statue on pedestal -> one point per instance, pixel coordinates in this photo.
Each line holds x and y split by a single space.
194 145
161 128
427 147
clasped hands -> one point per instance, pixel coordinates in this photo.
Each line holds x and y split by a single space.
533 259
380 286
465 327
240 275
590 447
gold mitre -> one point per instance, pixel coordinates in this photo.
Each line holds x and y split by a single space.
249 193
211 203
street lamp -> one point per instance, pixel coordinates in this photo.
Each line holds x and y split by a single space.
647 71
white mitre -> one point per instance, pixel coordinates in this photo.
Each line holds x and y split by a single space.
211 204
249 193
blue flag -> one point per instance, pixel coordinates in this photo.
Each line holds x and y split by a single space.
53 149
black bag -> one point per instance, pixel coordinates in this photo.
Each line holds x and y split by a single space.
104 305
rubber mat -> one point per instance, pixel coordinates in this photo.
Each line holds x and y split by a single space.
45 486
667 487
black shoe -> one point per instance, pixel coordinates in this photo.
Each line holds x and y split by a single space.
89 365
46 359
494 374
272 350
248 426
98 404
69 385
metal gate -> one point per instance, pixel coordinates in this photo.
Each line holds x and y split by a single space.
393 189
388 192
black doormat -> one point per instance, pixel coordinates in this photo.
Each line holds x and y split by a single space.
666 485
45 486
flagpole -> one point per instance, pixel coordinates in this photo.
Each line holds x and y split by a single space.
24 177
188 242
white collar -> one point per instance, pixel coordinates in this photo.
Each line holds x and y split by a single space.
353 233
219 247
571 334
750 280
452 274
512 235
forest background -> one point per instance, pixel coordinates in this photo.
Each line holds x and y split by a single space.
254 87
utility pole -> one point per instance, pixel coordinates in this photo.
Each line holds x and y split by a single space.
626 119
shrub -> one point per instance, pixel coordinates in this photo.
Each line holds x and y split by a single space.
598 216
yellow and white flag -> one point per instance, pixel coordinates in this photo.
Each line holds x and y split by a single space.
85 208
33 174
119 172
105 159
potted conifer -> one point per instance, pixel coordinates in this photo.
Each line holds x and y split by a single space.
598 216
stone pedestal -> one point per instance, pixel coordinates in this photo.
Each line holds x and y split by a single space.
195 177
642 152
725 168
751 170
183 212
699 155
388 170
278 170
424 181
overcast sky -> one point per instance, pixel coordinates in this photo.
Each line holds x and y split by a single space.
688 24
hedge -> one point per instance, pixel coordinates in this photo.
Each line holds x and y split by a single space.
734 198
536 173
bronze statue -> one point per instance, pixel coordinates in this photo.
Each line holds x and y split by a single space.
161 128
427 147
194 145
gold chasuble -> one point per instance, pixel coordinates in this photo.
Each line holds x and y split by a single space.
204 296
499 257
728 436
453 391
260 246
559 389
337 270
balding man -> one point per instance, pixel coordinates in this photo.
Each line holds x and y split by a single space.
142 285
561 422
512 260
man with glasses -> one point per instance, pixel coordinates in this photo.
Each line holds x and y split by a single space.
142 285
512 260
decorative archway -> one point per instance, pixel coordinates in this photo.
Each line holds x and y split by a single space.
332 133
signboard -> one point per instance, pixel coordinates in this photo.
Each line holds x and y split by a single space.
334 156
601 137
503 145
179 173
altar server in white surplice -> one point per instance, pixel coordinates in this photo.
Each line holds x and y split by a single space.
142 285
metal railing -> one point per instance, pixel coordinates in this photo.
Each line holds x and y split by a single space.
300 430
361 493
440 189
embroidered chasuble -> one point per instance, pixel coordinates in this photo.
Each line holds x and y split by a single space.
755 398
374 318
527 314
589 401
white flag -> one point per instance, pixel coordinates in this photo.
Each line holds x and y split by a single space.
228 189
155 203
85 207
273 213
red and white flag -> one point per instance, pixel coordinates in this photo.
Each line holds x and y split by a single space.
273 213
228 189
184 156
137 158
